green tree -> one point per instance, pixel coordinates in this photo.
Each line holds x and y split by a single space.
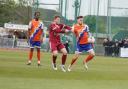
7 8
15 12
91 22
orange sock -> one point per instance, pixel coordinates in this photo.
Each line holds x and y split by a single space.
30 55
88 58
38 55
73 61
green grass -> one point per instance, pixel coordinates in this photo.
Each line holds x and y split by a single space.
103 73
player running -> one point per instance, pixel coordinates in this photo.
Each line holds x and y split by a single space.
35 32
55 29
84 42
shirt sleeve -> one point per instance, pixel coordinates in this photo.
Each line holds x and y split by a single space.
89 34
64 26
67 27
56 29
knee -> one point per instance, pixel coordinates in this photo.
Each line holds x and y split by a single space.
76 56
38 49
65 53
55 54
32 49
93 54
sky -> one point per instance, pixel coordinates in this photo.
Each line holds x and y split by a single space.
89 7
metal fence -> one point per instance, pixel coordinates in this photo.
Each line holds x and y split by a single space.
6 42
22 43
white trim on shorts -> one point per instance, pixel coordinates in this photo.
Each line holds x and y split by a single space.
77 52
35 47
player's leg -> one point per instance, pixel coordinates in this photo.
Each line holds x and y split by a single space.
77 53
54 57
38 56
31 52
53 47
73 60
64 57
30 56
38 46
90 56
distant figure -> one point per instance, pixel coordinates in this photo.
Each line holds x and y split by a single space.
35 32
14 41
125 44
105 44
116 49
110 47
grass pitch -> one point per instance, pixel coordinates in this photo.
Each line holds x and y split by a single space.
103 73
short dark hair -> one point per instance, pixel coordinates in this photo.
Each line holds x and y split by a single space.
80 17
57 16
36 13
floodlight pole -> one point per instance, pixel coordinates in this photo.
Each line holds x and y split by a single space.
109 19
65 15
61 6
37 4
97 18
76 5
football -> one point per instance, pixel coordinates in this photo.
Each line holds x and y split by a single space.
91 39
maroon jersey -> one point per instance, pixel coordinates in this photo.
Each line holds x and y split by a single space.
55 30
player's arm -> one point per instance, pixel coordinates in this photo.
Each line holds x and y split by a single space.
66 28
29 31
56 29
73 29
28 34
91 39
42 35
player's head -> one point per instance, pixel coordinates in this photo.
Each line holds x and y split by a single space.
57 19
37 15
80 19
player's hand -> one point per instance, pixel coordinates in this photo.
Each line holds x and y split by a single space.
63 26
67 31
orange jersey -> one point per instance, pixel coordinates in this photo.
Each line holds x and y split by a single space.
36 30
81 32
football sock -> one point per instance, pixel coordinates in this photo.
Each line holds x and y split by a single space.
88 58
38 56
30 55
64 57
54 59
73 61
